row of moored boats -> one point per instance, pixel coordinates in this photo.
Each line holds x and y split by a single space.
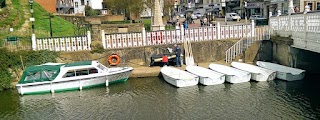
238 73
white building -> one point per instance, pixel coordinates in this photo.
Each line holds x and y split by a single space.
79 5
147 11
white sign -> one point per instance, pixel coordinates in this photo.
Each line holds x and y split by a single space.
31 19
11 29
223 4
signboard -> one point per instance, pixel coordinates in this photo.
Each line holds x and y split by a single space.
223 4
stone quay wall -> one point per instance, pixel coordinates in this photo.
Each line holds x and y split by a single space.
203 51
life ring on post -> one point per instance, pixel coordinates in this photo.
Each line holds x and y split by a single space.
111 61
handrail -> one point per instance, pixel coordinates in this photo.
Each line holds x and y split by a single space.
261 33
235 50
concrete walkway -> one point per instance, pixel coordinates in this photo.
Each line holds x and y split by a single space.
146 71
220 20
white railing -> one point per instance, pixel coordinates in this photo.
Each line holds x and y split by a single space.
303 29
74 43
219 32
261 33
309 22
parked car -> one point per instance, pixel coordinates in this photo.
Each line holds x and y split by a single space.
199 15
194 16
181 15
256 17
259 20
232 16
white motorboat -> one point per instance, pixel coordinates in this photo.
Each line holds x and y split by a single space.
206 76
257 73
233 75
283 72
53 77
179 78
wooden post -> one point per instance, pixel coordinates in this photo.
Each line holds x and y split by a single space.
22 62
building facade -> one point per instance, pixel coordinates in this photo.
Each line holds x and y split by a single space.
65 6
313 4
79 5
76 6
148 12
48 5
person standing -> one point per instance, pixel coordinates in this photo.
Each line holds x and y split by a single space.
165 60
177 26
185 25
177 51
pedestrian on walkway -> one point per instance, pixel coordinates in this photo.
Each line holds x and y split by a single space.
177 51
177 25
185 25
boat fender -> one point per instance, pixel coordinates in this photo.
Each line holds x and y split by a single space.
114 56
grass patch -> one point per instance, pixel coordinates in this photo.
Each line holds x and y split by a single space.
147 24
15 19
60 27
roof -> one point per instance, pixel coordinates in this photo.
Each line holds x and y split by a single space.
40 73
46 72
79 63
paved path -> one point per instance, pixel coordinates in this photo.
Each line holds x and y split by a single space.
146 71
220 20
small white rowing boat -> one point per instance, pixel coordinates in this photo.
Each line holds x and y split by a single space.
179 78
206 76
233 75
257 73
283 72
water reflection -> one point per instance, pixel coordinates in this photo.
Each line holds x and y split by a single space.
153 98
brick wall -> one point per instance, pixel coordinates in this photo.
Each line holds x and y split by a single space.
114 28
48 5
105 18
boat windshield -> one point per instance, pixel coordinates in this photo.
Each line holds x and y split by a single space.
80 72
102 67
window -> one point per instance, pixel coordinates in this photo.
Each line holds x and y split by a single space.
310 5
76 4
82 2
318 5
69 74
93 70
80 72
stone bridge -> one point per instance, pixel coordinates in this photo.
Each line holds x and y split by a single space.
303 28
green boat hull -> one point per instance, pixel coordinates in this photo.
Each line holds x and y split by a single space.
75 88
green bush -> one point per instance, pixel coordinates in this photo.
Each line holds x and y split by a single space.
14 60
97 47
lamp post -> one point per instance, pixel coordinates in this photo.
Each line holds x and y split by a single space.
176 6
209 18
32 18
245 11
50 25
223 4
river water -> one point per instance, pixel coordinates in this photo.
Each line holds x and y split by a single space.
153 98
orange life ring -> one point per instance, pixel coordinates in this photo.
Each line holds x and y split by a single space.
114 56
